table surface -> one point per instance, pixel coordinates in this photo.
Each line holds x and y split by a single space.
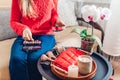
104 69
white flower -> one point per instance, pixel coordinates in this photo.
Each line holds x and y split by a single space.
105 13
90 13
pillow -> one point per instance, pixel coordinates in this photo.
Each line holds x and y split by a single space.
66 11
6 31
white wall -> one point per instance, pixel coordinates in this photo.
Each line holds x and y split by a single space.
112 32
5 3
115 8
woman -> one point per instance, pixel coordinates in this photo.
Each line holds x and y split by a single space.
31 20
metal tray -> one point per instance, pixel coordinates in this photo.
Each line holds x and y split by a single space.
104 68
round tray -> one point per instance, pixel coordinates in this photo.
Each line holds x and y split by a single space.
64 76
104 68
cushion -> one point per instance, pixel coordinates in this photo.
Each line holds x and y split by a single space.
66 11
5 29
66 36
5 47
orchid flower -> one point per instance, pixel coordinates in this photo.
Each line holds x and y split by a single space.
105 13
90 13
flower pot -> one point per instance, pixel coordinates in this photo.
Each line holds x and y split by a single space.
87 44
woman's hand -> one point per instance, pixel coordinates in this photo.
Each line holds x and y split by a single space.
27 35
59 23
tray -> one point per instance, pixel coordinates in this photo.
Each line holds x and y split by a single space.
64 76
104 68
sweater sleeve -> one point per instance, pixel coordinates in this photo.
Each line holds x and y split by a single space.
15 18
54 12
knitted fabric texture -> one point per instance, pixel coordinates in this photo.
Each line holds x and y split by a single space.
47 15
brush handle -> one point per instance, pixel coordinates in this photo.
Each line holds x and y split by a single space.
31 47
35 42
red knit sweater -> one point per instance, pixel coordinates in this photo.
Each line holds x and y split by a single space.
47 15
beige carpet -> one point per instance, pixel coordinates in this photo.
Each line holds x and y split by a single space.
116 67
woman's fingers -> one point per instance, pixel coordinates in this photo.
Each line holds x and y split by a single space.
62 24
59 23
30 36
27 35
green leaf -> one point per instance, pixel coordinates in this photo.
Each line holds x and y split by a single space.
83 33
76 30
90 36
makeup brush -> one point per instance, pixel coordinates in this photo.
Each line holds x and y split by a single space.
45 58
51 55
